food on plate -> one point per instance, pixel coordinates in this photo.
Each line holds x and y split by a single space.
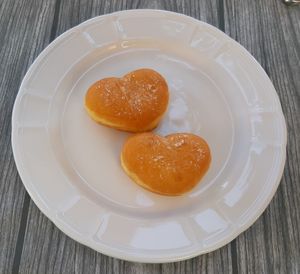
170 165
135 103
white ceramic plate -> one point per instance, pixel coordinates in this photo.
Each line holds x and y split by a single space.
70 165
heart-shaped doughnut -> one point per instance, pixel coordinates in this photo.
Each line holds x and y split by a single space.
135 102
170 165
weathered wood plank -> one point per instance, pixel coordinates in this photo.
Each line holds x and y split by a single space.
18 30
271 32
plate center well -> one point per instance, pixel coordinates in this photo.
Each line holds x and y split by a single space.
196 105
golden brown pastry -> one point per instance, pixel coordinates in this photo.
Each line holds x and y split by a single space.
170 165
135 102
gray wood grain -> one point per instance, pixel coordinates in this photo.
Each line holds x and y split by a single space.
20 43
271 32
30 243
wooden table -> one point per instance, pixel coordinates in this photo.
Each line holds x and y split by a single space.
30 243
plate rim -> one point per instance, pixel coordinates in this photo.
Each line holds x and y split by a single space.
114 252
